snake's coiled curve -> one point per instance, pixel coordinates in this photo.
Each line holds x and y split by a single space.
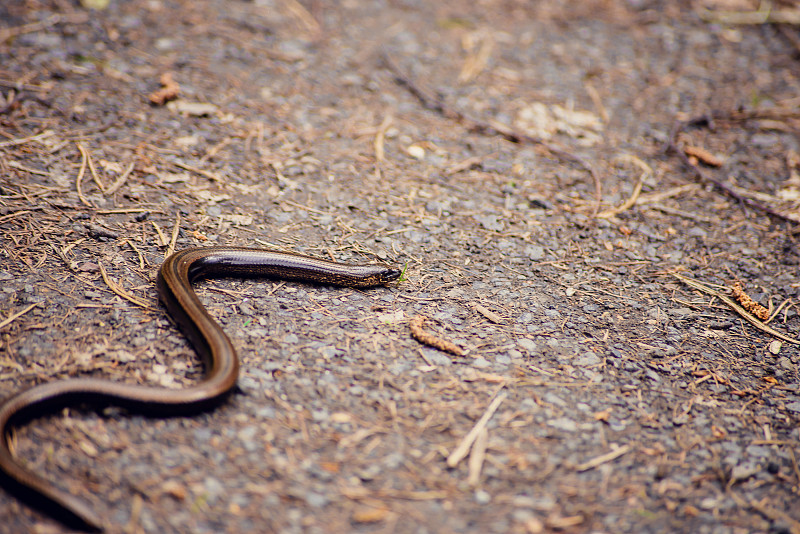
175 278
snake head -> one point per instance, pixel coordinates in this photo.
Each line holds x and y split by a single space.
389 275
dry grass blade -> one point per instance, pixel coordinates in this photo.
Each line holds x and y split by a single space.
647 171
201 172
10 319
463 448
93 170
174 238
380 138
120 181
477 60
116 288
737 308
764 15
162 239
477 456
79 178
23 140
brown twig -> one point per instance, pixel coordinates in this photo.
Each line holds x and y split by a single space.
435 103
708 119
489 314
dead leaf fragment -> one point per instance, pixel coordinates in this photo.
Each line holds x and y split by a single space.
174 489
330 467
169 90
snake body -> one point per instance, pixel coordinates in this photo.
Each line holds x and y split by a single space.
175 278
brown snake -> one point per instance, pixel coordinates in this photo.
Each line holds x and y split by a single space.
219 358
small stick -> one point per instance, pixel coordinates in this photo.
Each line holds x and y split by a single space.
15 101
603 458
123 210
477 456
81 172
10 319
20 213
201 172
489 314
460 452
794 464
71 18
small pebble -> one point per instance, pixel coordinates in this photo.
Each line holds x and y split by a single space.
482 497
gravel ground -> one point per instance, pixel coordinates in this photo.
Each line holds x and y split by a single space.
607 394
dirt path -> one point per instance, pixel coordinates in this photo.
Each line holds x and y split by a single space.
606 394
